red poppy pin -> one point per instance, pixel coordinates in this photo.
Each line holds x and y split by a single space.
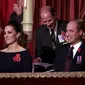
63 33
79 50
17 58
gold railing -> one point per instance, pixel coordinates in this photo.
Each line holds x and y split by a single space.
43 75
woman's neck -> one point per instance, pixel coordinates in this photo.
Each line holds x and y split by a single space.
13 48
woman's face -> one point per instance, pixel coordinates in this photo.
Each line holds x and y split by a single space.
10 35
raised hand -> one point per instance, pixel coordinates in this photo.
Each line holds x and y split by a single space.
18 9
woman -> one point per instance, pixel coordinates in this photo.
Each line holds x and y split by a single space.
14 58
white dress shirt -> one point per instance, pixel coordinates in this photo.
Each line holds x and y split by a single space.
76 46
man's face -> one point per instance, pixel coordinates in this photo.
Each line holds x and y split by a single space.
73 35
48 20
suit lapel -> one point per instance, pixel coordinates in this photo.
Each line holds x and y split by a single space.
58 28
58 31
47 41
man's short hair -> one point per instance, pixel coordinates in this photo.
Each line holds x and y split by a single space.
80 24
49 8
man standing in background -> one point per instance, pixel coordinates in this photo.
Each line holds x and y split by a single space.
48 35
71 57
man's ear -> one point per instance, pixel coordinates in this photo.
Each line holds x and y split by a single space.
55 14
80 32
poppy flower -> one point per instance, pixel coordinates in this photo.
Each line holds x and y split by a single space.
17 58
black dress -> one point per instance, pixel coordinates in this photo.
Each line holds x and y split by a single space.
15 62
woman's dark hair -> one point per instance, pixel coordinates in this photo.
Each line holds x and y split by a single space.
22 40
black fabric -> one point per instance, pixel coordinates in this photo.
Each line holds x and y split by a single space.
43 40
69 59
53 38
48 54
15 17
42 68
8 64
38 68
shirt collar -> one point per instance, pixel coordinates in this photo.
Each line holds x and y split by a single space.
77 45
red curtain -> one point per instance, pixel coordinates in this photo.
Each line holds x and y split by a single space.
65 10
5 10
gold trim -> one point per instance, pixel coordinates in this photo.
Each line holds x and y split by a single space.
43 75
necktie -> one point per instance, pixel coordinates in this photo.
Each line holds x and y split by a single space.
53 38
69 59
70 54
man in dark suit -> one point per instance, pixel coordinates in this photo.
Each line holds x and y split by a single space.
51 28
76 60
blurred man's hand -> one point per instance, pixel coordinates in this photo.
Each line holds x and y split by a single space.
18 9
37 60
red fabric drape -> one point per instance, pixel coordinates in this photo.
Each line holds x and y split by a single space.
5 10
65 10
